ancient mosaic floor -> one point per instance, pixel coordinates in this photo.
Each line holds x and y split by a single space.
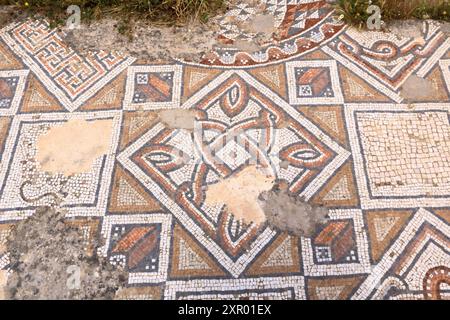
339 133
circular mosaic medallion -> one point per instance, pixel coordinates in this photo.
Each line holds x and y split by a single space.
272 31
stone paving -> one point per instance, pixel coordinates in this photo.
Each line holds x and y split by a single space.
322 108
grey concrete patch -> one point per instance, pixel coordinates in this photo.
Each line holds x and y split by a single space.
406 28
9 14
160 44
255 32
288 213
177 118
44 251
264 23
150 43
416 88
445 27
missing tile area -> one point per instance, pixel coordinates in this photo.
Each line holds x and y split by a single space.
239 193
73 147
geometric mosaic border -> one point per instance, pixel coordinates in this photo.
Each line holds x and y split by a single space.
368 201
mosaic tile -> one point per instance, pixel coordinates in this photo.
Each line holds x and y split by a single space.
385 61
152 87
313 82
8 61
190 259
340 191
140 244
341 248
400 154
140 293
72 77
320 106
278 288
25 187
231 105
332 288
12 85
108 98
408 263
281 257
128 195
357 90
273 76
5 122
383 227
38 99
301 26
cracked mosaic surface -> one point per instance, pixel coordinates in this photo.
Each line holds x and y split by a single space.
338 133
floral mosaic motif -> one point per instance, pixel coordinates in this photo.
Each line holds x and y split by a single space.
234 105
